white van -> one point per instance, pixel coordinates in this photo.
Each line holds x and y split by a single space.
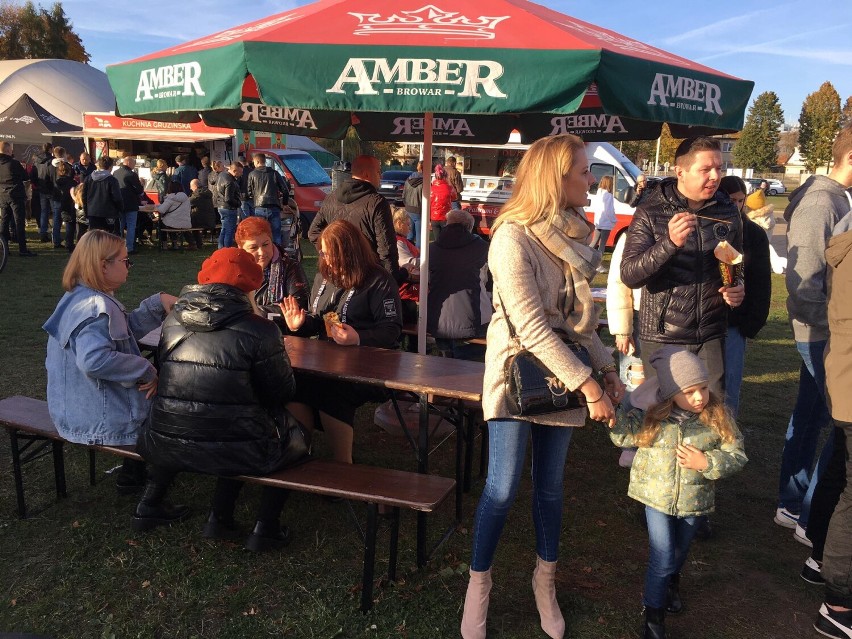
490 184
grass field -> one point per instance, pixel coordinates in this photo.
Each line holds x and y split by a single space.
76 570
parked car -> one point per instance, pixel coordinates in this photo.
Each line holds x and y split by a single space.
391 185
775 187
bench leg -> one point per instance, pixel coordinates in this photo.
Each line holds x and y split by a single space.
16 470
394 544
369 557
59 468
461 448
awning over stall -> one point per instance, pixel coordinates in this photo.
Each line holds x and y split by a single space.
113 127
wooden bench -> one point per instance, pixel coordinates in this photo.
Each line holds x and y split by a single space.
166 234
32 433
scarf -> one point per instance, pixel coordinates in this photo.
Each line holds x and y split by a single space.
273 276
565 239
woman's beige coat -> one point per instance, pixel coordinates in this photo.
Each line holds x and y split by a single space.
530 285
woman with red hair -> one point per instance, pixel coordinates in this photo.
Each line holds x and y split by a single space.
282 276
354 301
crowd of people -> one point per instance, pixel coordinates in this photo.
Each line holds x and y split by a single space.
194 194
688 285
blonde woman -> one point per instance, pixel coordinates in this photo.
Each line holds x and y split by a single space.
99 387
542 265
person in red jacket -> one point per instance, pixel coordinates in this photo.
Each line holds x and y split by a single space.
442 197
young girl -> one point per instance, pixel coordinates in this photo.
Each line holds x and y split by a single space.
686 439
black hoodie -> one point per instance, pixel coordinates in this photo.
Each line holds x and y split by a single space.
358 202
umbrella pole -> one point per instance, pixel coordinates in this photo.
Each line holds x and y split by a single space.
424 233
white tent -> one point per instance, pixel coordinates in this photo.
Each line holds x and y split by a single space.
64 88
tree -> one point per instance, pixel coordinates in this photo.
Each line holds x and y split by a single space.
757 147
846 113
354 146
788 142
818 126
28 32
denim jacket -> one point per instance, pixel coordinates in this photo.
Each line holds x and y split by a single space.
94 365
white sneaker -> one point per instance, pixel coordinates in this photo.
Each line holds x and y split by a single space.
800 535
784 517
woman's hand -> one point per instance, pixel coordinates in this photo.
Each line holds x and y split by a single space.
149 388
625 345
345 335
614 387
168 301
688 456
294 315
598 402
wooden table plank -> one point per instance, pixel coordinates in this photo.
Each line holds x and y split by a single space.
397 370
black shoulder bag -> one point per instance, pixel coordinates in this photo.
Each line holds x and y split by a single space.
531 388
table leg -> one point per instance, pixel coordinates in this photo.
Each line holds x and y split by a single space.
422 467
16 470
461 441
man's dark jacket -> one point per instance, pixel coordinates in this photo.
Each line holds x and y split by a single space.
266 188
12 178
224 374
202 210
131 187
42 161
458 278
358 202
680 303
226 194
102 195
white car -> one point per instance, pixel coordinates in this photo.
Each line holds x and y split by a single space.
776 187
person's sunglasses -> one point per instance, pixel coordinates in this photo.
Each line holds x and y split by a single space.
127 261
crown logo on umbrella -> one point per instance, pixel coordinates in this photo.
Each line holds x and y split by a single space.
429 19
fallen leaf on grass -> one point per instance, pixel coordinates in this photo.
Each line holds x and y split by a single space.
601 523
75 524
14 602
250 611
131 542
146 583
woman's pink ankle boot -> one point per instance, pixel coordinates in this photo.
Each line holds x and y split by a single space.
476 605
544 589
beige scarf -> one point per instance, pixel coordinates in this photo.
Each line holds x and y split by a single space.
566 239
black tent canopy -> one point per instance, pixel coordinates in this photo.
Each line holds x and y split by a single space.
27 123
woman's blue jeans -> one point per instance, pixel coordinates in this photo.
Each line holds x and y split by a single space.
669 538
507 447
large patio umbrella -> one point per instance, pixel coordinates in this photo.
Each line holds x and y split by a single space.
464 71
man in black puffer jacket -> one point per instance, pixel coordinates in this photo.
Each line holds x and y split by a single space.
669 252
224 376
357 201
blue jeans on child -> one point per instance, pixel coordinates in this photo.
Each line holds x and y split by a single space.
669 538
810 415
507 447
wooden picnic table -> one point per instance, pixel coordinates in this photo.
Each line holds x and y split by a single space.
425 376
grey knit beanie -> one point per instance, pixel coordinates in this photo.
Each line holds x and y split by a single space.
677 369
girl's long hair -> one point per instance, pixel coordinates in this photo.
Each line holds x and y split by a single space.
715 416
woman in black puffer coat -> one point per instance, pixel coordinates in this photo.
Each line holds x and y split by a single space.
224 375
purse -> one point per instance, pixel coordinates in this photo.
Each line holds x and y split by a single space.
531 388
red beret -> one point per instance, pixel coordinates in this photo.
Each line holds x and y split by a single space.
232 266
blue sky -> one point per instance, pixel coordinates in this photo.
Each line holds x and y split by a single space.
790 48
